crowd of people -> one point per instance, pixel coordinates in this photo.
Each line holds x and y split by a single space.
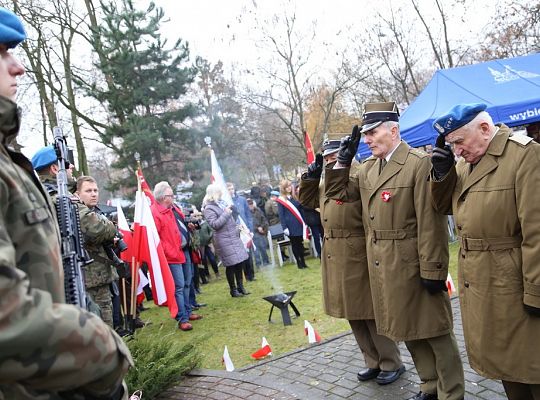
382 236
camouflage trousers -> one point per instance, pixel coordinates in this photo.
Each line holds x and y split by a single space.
103 298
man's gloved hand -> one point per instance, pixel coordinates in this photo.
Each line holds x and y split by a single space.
442 158
434 286
315 169
348 147
533 311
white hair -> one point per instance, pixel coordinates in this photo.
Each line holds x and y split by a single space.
213 193
160 188
483 116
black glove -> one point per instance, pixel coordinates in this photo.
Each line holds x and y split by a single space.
442 158
434 286
533 311
348 147
314 170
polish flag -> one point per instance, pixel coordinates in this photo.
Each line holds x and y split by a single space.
264 351
217 178
144 185
310 155
229 366
147 248
123 228
312 334
450 285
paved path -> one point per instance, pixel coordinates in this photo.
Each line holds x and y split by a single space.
323 371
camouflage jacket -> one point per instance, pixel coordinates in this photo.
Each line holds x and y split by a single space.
49 182
97 231
48 349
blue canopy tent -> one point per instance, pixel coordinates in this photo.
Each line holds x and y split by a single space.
510 88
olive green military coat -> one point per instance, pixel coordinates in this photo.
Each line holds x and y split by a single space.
497 212
407 240
346 290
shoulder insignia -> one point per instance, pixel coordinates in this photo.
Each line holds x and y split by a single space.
369 159
417 152
521 139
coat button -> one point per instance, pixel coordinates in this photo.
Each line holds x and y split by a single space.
328 255
439 265
459 227
466 284
372 216
326 220
376 263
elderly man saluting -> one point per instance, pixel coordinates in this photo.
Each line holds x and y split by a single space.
407 248
494 194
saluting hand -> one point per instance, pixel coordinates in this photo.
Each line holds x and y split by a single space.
442 158
348 147
315 169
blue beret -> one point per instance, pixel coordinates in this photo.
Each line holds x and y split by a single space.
274 192
44 157
11 29
457 117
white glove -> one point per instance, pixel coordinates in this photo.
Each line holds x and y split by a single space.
286 231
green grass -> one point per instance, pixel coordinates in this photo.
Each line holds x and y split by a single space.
240 323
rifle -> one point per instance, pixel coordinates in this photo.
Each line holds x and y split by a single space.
74 255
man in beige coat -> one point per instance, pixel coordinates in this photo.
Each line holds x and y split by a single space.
407 248
494 194
346 290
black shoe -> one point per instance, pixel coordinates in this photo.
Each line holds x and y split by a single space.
200 305
138 323
243 290
368 374
386 377
236 293
424 396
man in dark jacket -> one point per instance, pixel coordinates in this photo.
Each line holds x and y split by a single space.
260 231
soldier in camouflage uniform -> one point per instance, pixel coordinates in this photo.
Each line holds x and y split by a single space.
97 231
46 166
48 349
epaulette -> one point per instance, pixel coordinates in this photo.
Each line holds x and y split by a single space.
417 152
521 139
370 158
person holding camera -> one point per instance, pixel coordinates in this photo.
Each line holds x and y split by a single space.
98 232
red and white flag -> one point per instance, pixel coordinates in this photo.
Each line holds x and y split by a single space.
229 366
144 185
123 228
312 334
147 248
310 155
264 351
294 211
450 285
217 178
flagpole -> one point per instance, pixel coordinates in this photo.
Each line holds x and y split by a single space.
134 262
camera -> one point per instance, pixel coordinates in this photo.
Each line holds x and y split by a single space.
112 248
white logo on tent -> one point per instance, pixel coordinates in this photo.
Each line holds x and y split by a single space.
510 74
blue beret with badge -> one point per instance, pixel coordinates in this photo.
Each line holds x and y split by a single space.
44 157
11 28
457 117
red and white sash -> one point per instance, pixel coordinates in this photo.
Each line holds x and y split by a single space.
294 211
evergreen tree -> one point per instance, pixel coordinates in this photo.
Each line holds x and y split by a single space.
144 89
